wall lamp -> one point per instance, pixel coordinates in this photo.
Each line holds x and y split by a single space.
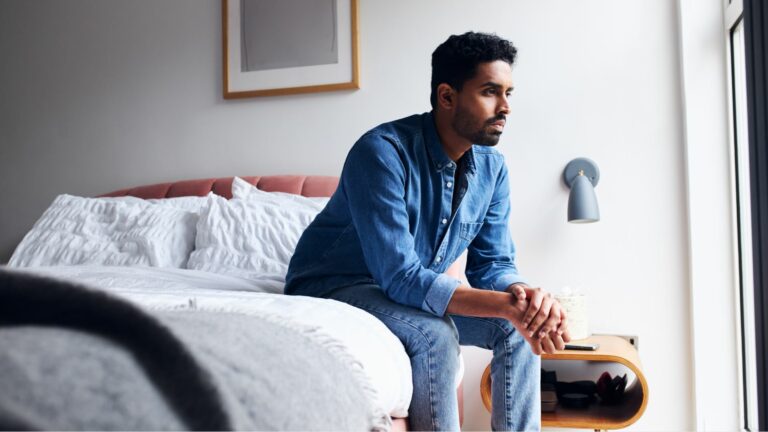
582 175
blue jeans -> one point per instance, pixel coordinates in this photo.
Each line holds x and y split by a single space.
432 343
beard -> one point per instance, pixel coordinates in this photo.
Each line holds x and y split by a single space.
477 132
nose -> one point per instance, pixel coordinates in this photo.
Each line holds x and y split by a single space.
503 107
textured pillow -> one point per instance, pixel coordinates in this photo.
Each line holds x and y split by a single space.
253 237
189 203
241 189
122 231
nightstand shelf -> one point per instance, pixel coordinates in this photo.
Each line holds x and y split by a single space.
598 416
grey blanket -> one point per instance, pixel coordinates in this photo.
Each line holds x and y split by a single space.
74 358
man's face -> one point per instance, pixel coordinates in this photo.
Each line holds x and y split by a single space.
481 105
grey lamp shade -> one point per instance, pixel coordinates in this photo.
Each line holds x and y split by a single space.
582 202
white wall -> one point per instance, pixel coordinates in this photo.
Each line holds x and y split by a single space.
712 221
97 95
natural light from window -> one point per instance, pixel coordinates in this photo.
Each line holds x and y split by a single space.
740 152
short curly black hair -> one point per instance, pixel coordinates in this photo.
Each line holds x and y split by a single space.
455 60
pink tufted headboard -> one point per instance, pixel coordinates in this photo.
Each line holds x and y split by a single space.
310 186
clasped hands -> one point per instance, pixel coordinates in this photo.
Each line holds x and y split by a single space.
543 322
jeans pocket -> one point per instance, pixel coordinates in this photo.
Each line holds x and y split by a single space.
468 230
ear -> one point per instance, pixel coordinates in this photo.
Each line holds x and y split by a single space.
446 96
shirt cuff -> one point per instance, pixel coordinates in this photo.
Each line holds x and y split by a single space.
507 279
439 294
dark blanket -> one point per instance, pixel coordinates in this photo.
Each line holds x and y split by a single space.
72 357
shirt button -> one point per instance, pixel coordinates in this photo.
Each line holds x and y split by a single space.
438 259
450 165
449 184
444 221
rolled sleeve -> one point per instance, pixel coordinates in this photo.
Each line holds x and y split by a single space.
507 279
439 294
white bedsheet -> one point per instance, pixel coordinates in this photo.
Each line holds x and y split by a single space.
366 339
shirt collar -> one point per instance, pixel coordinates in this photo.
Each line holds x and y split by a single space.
440 160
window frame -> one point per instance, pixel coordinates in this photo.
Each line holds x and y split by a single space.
756 44
743 234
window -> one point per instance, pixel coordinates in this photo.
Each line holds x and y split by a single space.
745 23
740 151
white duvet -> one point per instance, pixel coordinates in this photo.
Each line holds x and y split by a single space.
366 339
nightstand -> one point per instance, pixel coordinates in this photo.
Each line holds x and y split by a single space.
598 416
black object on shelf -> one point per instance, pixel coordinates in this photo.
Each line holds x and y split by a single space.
611 389
548 391
576 394
548 377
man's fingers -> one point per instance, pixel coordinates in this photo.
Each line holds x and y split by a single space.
534 343
536 298
519 292
566 335
535 346
537 325
550 325
557 340
547 345
563 321
562 327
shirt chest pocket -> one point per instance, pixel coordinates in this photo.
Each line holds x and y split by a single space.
468 230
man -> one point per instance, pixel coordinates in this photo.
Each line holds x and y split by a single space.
413 195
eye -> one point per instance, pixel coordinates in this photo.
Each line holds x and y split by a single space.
489 91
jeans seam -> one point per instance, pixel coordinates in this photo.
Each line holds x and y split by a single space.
506 384
433 416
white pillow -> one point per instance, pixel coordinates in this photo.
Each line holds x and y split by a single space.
241 189
121 231
189 203
252 238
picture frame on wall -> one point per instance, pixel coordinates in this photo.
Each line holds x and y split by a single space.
281 47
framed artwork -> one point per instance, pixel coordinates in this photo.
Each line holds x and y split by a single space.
278 47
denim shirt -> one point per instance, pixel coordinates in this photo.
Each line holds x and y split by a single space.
390 222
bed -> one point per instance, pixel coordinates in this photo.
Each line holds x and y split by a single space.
175 318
